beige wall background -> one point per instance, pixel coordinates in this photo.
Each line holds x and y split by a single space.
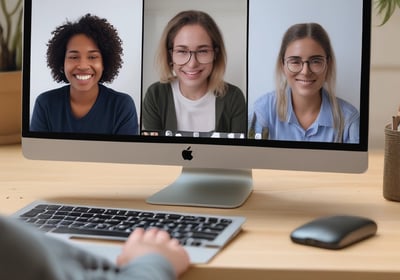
385 76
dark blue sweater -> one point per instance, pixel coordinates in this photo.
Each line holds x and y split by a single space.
113 113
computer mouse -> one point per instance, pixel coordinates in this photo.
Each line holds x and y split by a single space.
334 232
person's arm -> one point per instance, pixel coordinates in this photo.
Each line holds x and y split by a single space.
127 122
351 116
148 267
151 115
38 122
238 107
153 254
26 253
260 116
351 132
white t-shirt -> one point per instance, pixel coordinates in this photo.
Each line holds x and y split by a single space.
194 115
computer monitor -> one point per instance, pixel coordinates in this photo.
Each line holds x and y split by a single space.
216 163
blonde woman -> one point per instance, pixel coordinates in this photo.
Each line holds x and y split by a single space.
304 106
192 95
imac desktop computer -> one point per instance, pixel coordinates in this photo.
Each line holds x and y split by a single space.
269 85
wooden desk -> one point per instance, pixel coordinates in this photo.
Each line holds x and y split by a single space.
281 201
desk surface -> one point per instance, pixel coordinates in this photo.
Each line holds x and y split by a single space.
281 201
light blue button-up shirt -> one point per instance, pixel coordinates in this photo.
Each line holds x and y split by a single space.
264 116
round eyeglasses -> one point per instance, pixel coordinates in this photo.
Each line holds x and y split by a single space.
315 64
183 56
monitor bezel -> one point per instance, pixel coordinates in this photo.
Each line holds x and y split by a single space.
207 152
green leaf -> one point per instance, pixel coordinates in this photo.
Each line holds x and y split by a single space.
386 8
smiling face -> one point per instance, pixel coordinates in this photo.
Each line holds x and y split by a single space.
83 64
305 83
193 76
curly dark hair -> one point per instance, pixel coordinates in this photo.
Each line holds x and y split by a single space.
100 31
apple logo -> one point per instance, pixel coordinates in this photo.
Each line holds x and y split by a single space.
187 154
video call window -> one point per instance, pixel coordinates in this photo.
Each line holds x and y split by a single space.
286 70
194 68
231 78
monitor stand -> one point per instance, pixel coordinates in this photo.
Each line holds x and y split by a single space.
203 187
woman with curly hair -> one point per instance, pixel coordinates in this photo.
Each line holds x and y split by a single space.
85 54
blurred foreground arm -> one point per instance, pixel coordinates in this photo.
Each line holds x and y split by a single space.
26 253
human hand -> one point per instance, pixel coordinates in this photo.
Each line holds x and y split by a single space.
153 240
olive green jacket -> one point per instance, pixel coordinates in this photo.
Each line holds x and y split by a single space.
158 110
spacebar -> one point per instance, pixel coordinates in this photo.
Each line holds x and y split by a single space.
96 232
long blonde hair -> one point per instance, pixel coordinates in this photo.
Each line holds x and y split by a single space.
216 82
318 34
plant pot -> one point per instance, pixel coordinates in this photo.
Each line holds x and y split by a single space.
10 107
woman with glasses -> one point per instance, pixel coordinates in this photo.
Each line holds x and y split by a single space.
191 95
304 106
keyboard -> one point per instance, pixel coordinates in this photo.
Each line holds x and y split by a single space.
203 236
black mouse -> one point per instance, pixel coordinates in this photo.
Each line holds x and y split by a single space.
334 232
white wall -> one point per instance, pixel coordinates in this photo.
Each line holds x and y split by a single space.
10 5
385 76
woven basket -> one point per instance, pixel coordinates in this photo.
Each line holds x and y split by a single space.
391 169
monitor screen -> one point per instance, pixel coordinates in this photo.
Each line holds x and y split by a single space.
217 87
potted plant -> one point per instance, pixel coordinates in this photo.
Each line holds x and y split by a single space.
10 70
386 8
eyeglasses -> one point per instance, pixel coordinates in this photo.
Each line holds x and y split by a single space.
183 56
315 64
